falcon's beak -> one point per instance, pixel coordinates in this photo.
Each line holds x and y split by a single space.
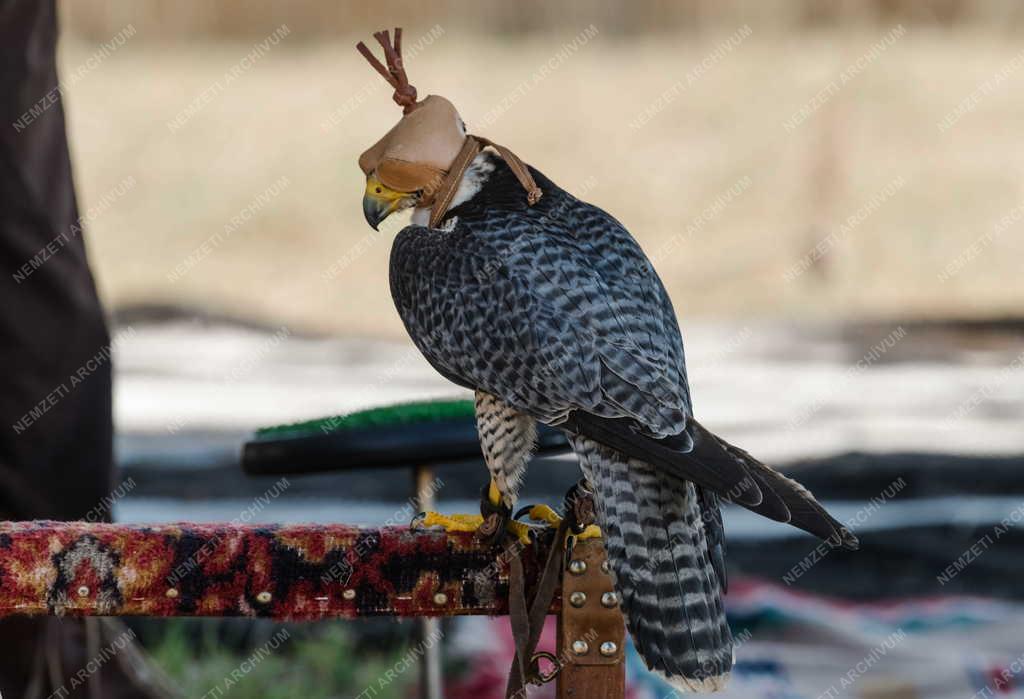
379 202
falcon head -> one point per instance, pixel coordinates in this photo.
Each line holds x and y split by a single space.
406 167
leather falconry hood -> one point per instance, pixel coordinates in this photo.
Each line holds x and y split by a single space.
428 149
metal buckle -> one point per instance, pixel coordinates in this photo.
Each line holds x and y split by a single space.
539 677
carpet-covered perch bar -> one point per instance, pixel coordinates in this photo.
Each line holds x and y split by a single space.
309 572
299 572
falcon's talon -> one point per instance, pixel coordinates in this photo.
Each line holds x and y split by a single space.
544 513
522 511
522 532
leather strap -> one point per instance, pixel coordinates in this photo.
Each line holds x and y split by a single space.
519 169
445 192
527 625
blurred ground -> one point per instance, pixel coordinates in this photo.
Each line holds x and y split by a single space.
299 115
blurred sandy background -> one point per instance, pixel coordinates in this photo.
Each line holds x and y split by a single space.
831 190
302 110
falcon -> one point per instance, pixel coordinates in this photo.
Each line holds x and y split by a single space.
549 311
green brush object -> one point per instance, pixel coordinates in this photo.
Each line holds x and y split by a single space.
384 416
405 434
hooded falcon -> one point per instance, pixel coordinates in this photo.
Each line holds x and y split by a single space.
547 308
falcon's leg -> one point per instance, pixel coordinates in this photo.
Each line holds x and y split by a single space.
507 439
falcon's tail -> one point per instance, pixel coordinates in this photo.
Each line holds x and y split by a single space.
782 499
706 459
664 570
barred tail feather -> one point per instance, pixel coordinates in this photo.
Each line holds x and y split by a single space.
663 568
709 461
798 506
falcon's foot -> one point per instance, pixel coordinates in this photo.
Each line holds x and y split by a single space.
490 526
543 513
475 524
579 505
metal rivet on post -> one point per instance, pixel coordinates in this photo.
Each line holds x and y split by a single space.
609 648
264 597
83 591
609 599
171 592
580 647
349 594
604 567
440 599
577 567
578 599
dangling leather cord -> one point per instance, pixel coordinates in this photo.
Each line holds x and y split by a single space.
519 169
528 624
445 192
449 185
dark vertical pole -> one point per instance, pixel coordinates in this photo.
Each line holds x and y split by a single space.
430 627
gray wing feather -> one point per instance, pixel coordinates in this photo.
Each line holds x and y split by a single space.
570 316
557 311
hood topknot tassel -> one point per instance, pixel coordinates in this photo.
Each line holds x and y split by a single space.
394 73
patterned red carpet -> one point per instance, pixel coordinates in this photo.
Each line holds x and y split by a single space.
285 572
